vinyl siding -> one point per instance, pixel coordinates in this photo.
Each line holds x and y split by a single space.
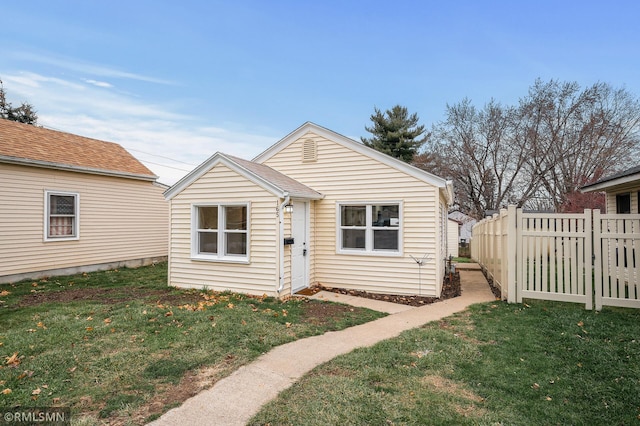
120 219
344 175
452 238
632 188
223 185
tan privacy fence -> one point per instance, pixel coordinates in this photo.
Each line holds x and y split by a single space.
586 258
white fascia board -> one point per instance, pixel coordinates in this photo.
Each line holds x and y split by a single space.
603 186
355 146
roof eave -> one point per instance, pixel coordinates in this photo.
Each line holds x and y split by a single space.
72 168
601 186
306 197
219 157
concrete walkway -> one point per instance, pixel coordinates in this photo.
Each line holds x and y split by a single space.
238 397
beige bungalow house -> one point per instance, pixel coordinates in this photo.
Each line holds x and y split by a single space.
74 204
316 207
622 191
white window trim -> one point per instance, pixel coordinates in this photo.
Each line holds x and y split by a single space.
220 256
76 222
369 251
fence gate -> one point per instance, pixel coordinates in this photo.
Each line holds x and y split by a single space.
617 274
583 258
554 257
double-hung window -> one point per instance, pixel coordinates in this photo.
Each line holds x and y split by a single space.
61 216
220 232
371 228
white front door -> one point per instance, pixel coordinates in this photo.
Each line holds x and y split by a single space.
300 246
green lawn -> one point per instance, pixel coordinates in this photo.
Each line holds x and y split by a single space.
122 347
534 364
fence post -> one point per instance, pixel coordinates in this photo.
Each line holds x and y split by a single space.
597 251
588 267
512 250
519 257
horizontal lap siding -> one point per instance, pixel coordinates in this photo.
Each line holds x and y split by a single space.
120 219
345 175
632 189
221 184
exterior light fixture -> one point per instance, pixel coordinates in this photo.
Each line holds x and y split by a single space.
288 208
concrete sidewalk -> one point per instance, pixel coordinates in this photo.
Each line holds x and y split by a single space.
236 398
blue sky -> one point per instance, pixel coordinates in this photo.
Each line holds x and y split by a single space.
174 82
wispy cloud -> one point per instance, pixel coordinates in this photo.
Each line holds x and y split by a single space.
85 67
99 83
169 143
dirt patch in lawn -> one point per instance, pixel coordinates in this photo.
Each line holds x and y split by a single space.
324 313
450 288
170 395
106 295
468 408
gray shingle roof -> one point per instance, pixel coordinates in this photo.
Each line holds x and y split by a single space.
629 172
284 182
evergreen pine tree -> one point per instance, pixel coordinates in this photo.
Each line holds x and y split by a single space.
395 133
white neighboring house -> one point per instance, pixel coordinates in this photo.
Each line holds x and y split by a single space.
453 237
622 191
466 226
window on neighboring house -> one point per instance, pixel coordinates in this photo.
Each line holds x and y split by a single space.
220 232
623 203
369 228
61 216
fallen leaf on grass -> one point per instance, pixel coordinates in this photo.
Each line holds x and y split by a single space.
107 320
243 322
288 324
89 318
41 325
36 391
5 293
230 306
536 386
89 328
548 398
580 324
27 373
13 360
6 391
31 330
169 314
72 369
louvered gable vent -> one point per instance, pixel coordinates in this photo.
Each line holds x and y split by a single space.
309 150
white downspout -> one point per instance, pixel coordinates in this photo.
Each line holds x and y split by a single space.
286 201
